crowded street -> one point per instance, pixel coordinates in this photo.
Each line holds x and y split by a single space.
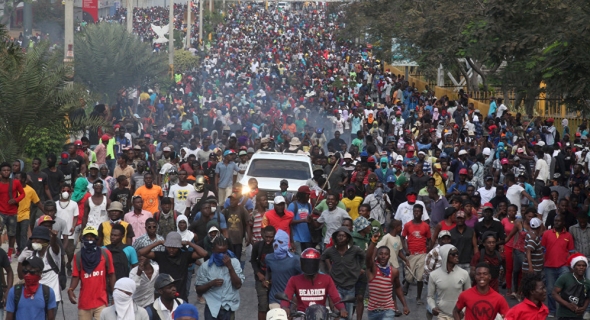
291 174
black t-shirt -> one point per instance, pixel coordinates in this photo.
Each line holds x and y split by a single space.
54 181
39 181
121 195
177 268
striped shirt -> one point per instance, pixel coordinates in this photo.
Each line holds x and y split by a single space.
537 255
581 239
380 293
257 225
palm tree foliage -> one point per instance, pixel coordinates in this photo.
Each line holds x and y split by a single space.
35 97
108 58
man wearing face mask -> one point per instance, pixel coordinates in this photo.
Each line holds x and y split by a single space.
378 201
31 301
94 270
281 264
43 239
124 308
405 211
196 197
219 280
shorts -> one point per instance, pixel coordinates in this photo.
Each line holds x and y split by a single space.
262 294
360 287
416 267
8 221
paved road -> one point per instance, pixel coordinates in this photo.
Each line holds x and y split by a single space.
249 302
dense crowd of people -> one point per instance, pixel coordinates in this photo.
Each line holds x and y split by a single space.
407 190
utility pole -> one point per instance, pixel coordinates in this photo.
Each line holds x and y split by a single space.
210 6
188 24
171 38
201 23
27 23
130 16
68 29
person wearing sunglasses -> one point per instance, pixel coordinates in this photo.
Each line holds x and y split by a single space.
151 235
446 283
29 301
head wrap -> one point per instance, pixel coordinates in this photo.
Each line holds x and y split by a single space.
123 301
186 310
80 189
186 235
281 245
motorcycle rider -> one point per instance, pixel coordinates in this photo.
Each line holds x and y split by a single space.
310 287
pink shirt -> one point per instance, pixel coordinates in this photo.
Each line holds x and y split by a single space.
138 222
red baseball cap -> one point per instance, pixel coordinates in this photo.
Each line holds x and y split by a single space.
304 189
463 171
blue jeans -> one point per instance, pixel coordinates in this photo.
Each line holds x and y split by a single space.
345 293
517 259
381 314
551 275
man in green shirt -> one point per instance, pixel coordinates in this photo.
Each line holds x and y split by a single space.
571 290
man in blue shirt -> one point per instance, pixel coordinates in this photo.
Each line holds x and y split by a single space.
281 265
493 107
224 175
218 281
461 186
301 208
31 303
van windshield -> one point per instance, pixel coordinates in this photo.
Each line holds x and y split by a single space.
279 169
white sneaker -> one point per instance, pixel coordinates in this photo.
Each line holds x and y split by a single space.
586 315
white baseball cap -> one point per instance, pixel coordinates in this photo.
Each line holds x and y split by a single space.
486 151
462 152
279 199
276 314
535 223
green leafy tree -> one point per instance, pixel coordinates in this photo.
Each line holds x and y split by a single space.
184 61
35 99
108 58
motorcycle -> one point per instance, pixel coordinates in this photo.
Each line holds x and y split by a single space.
314 311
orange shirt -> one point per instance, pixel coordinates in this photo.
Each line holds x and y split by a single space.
150 197
271 218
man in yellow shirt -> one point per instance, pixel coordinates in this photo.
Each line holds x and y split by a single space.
24 211
352 202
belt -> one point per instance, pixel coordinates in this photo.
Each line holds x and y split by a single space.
415 253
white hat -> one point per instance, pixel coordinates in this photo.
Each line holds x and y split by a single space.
541 143
462 152
276 314
535 223
213 228
279 199
347 156
399 158
486 151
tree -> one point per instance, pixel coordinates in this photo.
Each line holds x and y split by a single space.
184 61
35 98
107 58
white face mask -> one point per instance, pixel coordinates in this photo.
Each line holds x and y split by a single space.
65 195
213 209
37 246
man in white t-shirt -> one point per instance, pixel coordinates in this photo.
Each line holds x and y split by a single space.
405 211
180 192
488 191
546 204
541 172
514 193
501 109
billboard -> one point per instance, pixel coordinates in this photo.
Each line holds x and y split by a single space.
90 11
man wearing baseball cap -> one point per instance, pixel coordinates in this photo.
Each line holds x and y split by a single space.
94 270
288 195
279 217
165 306
488 224
433 260
301 208
459 186
31 296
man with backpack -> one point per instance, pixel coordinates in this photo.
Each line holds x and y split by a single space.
124 256
197 197
44 245
301 208
208 213
28 302
94 269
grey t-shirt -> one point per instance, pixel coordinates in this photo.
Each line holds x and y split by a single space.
60 226
333 221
